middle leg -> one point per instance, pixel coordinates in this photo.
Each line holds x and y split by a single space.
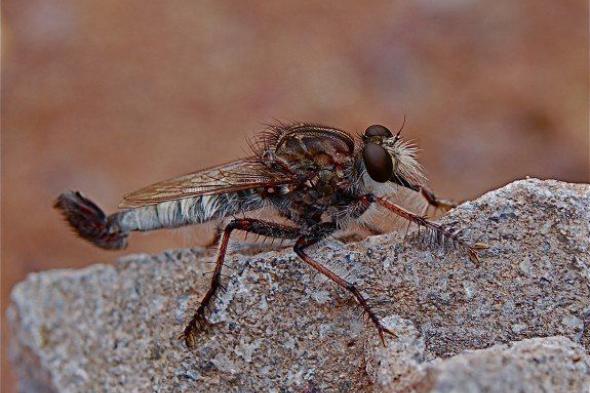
318 233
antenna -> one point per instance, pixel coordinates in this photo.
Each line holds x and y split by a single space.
401 128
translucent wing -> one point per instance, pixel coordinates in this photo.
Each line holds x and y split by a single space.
234 176
300 147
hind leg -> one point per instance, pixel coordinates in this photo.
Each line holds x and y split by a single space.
269 229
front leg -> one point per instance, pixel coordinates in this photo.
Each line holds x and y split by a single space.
437 232
435 202
269 229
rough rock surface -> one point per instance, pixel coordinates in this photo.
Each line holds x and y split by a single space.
280 327
533 365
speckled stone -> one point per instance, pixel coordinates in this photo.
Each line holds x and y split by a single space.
551 364
280 327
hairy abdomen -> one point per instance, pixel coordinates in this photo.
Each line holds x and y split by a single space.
111 232
194 210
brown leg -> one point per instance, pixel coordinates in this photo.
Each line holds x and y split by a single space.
433 201
424 214
323 230
198 323
438 232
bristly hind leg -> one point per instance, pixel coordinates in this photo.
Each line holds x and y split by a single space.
318 233
199 322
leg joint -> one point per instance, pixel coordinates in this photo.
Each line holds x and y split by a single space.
299 247
238 223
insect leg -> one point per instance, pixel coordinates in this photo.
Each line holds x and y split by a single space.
438 232
320 232
423 214
433 201
264 228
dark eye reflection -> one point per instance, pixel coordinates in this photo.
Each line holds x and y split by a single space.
378 162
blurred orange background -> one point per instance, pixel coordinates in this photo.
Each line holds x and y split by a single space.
108 96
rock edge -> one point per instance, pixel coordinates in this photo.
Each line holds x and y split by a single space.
281 328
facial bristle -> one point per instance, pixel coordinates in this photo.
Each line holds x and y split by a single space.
407 167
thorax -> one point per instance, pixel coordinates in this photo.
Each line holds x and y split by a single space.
323 162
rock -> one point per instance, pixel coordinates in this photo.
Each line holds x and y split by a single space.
552 364
280 327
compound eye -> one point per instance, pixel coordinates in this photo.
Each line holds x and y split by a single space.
378 130
378 162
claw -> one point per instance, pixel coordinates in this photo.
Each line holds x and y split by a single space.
190 339
473 257
446 205
472 251
480 246
382 329
197 325
442 204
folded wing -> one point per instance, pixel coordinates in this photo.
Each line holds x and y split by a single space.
234 176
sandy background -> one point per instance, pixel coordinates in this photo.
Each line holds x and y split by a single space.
108 96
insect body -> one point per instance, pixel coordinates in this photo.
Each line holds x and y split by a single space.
319 178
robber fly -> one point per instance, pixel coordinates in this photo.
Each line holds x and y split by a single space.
321 179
